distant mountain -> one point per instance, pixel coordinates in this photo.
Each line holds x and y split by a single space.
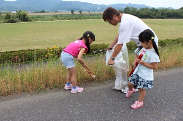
58 5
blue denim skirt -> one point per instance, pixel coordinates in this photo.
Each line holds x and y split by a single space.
67 60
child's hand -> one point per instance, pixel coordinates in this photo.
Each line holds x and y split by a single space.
134 64
140 61
84 65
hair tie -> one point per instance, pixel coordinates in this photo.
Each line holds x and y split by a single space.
88 35
152 37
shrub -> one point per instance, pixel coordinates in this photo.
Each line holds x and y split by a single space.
170 42
11 20
52 53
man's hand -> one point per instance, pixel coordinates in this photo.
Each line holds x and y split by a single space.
109 48
111 62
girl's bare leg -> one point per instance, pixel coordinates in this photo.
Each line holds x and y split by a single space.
142 94
68 78
73 76
130 86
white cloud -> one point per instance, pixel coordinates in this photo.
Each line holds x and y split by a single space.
9 0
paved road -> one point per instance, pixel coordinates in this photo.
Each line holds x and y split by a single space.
164 102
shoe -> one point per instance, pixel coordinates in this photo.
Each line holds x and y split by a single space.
124 90
137 105
115 89
78 89
68 87
129 93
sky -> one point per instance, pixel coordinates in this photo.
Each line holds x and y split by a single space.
176 4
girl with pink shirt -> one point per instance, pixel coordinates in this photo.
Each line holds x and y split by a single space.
76 49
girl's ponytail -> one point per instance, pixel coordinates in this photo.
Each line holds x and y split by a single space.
154 45
87 44
86 36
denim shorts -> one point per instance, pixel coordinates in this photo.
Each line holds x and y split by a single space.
67 60
140 82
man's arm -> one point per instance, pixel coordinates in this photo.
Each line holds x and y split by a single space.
117 49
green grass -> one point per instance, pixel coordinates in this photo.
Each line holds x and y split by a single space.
166 28
53 74
40 35
48 34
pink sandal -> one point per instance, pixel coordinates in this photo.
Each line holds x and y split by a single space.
137 105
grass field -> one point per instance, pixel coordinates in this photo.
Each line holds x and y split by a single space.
40 35
53 75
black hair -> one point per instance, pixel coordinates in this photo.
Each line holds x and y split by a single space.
109 12
146 36
86 36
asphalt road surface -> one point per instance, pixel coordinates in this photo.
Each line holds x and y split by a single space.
164 102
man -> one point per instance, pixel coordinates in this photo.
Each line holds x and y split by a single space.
129 29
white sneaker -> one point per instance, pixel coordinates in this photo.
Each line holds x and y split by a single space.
124 90
68 87
115 89
78 89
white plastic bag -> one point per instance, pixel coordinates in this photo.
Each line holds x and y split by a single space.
120 67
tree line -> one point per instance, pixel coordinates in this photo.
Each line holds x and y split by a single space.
19 16
151 13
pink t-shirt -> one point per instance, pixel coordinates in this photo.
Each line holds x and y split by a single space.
74 47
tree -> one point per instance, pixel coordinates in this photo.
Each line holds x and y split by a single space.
72 11
181 8
80 11
7 16
127 10
145 13
22 16
120 10
42 11
18 14
180 12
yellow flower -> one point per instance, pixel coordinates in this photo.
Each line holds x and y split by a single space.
46 56
55 47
